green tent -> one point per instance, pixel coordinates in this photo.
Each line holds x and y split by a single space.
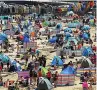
45 23
75 21
91 21
4 58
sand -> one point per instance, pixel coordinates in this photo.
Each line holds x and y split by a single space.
44 50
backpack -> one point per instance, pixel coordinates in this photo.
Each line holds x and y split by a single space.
34 74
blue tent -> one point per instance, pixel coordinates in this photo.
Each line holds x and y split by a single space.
71 39
73 25
85 36
3 36
52 40
86 27
26 40
59 26
91 17
4 58
87 51
68 30
57 61
69 70
67 35
16 64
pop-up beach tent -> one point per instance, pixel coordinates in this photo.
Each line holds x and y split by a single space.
85 36
52 40
44 84
86 51
70 13
3 37
4 58
16 64
68 30
57 61
73 25
69 70
73 40
86 27
85 62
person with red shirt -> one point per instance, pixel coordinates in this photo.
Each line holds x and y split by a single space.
49 75
40 73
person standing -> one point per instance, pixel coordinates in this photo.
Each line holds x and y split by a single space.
55 78
85 85
31 75
49 75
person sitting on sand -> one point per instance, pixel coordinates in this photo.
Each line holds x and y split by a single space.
21 80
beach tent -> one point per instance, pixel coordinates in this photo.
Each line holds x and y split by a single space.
86 27
85 62
73 25
68 70
73 40
44 84
4 58
68 30
57 61
86 51
26 38
91 22
3 37
91 17
18 67
16 64
58 26
52 40
85 36
75 21
16 28
67 35
70 13
45 23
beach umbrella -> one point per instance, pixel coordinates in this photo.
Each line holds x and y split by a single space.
86 27
4 58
